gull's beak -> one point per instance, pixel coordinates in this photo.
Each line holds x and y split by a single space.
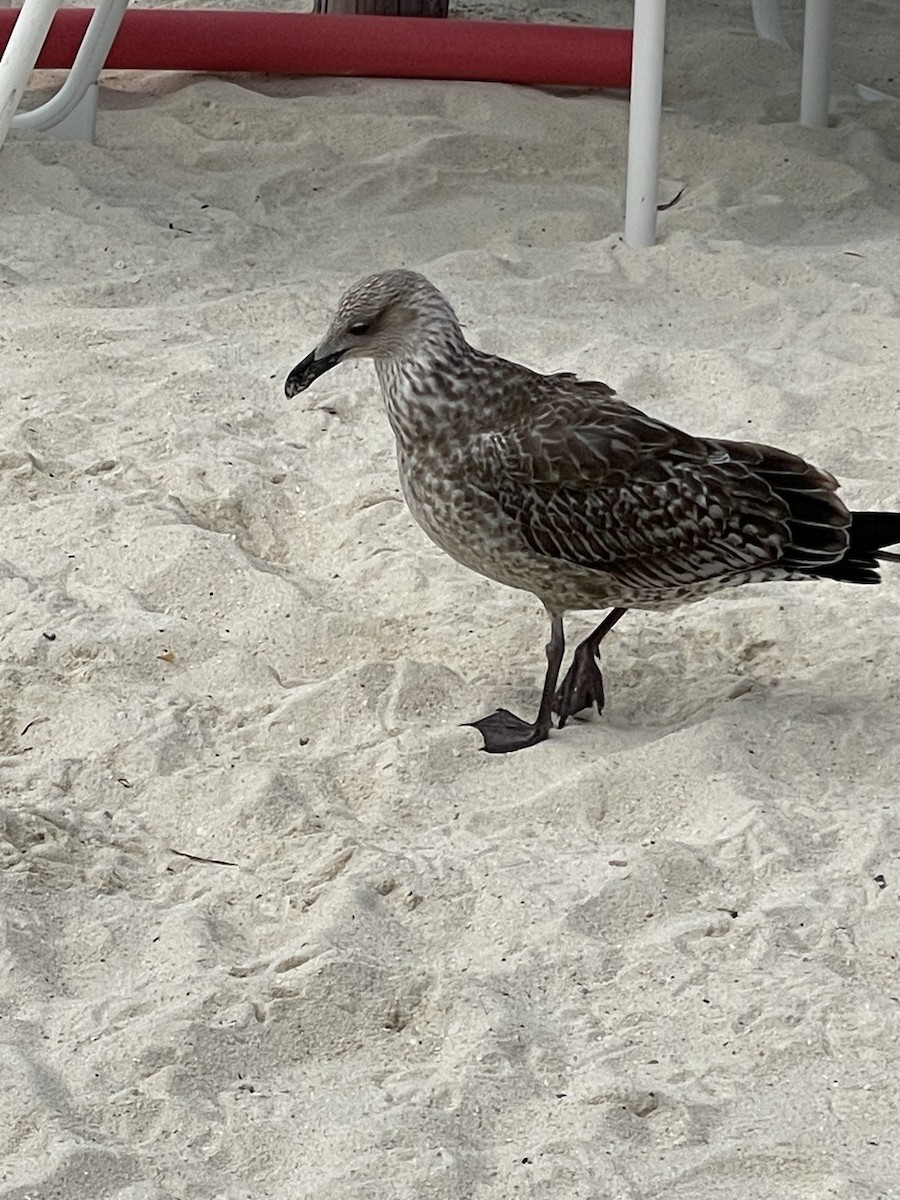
309 370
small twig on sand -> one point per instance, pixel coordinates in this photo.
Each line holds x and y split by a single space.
671 203
216 862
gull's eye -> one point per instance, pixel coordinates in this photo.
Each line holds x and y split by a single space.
359 328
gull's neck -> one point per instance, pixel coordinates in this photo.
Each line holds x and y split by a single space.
424 387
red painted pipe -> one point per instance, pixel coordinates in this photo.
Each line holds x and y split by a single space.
321 44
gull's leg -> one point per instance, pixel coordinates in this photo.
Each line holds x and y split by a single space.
583 683
504 732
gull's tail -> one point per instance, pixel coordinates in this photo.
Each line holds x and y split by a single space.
870 532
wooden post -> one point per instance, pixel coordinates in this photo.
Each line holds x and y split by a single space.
385 8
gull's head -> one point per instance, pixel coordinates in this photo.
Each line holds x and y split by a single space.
394 315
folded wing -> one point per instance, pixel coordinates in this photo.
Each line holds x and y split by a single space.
594 482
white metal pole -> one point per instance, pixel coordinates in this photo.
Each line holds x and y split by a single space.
817 27
645 114
22 50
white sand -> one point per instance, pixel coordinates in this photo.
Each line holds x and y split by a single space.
649 958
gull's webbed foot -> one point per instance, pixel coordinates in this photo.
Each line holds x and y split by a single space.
504 732
581 688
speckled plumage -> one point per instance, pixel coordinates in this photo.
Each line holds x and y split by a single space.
555 485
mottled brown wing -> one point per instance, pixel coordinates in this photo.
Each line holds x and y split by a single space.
601 485
818 520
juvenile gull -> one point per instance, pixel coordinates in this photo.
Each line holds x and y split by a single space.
552 484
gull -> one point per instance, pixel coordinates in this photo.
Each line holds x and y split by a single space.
554 485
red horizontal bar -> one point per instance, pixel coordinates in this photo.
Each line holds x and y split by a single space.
321 44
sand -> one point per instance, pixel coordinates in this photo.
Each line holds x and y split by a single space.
656 956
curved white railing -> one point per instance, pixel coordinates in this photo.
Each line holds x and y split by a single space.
23 48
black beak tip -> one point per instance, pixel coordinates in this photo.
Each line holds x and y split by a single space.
308 372
294 385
